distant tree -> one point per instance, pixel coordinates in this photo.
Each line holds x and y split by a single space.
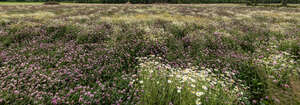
255 2
51 2
249 2
252 2
284 2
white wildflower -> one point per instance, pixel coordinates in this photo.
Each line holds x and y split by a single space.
151 71
204 87
169 81
199 94
192 85
193 80
198 102
209 70
179 89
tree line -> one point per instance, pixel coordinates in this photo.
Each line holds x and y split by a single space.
250 2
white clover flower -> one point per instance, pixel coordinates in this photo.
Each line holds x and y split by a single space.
188 69
213 82
178 76
178 90
142 64
204 87
193 92
131 83
223 84
198 102
286 53
147 29
192 85
178 87
141 82
169 81
168 66
193 80
233 73
199 94
236 89
292 61
184 78
209 70
151 71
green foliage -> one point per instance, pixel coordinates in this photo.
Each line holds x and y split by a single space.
254 77
251 2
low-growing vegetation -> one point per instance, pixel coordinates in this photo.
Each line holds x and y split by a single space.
204 54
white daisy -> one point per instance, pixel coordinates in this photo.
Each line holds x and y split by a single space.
199 94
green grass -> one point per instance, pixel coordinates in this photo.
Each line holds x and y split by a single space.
108 54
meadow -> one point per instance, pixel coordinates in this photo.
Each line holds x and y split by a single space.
125 54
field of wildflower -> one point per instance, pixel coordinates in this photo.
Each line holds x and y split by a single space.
204 54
